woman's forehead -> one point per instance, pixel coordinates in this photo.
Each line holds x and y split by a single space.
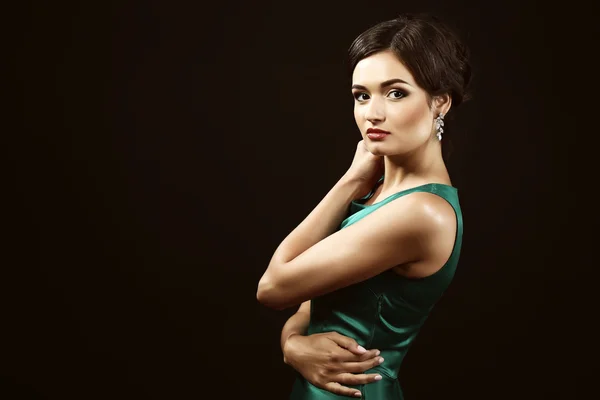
380 67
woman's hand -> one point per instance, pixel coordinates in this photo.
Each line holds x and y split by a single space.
365 170
330 360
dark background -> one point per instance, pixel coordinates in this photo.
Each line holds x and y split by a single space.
164 150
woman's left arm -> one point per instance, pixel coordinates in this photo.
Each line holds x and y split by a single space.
323 220
311 261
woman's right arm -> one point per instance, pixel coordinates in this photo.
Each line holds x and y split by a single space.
327 360
297 324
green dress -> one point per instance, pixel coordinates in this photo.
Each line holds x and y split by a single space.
384 312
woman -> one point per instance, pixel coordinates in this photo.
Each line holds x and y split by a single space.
370 261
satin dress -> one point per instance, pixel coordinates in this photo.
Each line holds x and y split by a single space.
385 312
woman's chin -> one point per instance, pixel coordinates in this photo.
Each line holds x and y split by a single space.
376 149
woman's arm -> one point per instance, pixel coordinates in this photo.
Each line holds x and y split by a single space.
323 220
309 263
297 324
329 213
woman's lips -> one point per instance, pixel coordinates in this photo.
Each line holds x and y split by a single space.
376 134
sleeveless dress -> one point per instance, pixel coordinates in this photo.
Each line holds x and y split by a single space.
384 312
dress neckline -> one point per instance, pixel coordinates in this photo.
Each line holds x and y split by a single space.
370 194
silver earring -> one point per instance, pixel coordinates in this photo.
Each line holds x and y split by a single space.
439 123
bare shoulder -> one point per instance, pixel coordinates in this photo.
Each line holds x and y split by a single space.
423 209
432 221
432 208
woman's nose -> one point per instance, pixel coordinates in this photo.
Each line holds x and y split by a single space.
374 111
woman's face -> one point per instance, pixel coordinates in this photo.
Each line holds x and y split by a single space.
387 98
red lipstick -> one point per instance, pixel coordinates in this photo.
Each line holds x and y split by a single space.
376 134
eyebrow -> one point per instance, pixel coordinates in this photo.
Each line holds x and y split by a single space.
383 84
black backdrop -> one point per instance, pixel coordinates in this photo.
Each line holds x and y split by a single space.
169 148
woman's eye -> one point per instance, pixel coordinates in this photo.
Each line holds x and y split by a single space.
361 96
396 94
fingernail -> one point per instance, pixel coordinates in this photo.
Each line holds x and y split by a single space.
377 352
361 349
378 377
357 394
380 360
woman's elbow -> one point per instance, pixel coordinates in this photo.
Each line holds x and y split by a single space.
268 295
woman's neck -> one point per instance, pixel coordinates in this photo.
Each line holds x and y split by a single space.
421 166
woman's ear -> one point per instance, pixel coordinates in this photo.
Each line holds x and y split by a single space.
442 104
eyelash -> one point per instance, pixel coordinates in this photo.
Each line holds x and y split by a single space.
357 94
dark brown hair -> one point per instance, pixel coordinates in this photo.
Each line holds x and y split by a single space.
430 50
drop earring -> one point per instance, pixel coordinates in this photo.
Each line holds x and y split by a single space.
439 123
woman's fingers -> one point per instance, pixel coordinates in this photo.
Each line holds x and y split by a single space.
357 379
350 379
354 352
346 342
347 356
361 366
341 390
369 355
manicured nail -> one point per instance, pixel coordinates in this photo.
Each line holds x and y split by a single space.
362 349
378 377
357 394
380 360
377 352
